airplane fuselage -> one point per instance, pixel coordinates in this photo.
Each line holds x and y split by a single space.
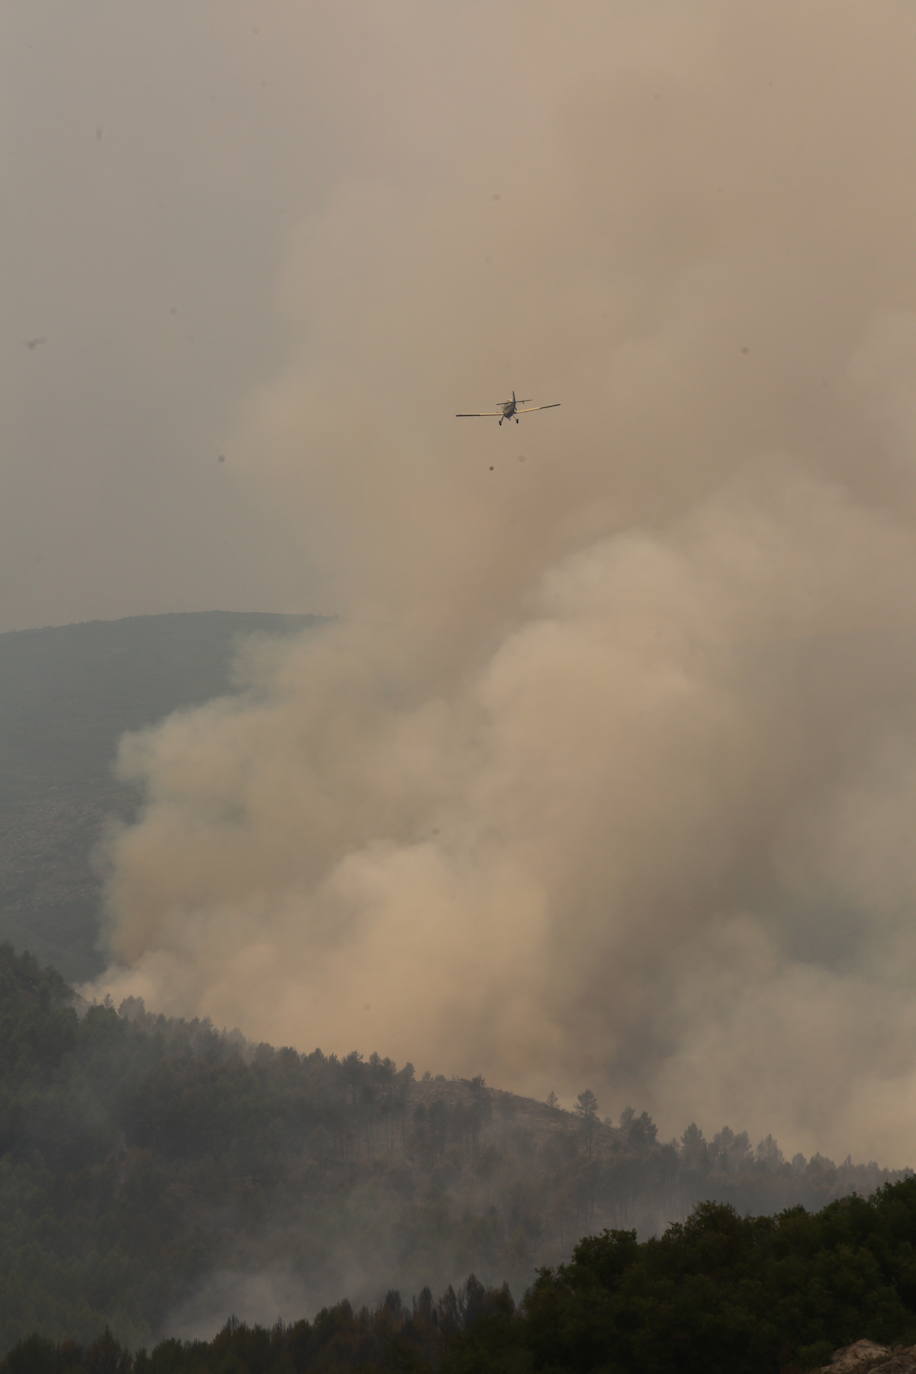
509 408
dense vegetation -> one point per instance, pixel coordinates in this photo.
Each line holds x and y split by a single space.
752 1295
69 693
156 1176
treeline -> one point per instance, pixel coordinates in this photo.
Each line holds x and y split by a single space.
149 1167
752 1295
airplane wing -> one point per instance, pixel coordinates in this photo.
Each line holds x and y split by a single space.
553 405
475 414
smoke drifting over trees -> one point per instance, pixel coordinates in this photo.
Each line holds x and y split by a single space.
156 1176
603 775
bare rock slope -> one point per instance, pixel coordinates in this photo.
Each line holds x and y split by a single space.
866 1357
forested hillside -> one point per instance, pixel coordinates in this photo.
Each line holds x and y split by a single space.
719 1293
156 1176
66 696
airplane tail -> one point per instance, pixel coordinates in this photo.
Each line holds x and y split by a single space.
513 398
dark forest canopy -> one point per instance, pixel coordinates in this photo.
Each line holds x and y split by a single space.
156 1175
752 1295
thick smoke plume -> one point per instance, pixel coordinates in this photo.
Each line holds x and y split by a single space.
605 774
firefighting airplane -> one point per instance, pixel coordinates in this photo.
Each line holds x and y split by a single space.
508 410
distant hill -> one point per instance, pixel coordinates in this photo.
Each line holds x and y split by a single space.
66 696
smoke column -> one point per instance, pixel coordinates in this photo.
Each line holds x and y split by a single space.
604 775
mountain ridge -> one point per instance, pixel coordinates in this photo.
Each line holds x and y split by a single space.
67 694
157 1175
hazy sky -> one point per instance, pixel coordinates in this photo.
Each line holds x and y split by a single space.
157 159
606 776
163 166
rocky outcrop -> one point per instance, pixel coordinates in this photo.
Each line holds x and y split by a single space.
865 1357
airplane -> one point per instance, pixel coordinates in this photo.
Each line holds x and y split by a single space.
508 410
